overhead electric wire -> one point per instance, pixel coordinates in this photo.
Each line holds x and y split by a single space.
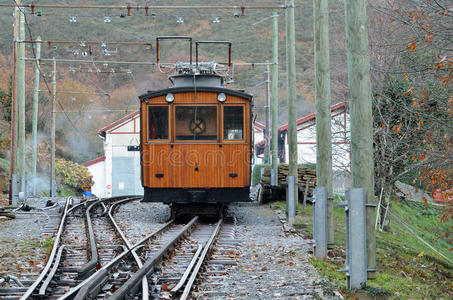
251 64
40 72
129 8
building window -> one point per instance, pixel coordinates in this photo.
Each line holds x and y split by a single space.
233 123
196 123
158 123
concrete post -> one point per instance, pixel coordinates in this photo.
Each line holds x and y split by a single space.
356 254
274 103
266 109
34 146
292 121
323 104
52 131
320 222
290 196
20 92
14 190
360 103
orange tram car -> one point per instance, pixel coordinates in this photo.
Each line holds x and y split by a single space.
196 140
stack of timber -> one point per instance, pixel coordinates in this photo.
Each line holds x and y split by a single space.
306 176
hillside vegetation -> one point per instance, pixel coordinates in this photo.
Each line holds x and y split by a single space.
251 35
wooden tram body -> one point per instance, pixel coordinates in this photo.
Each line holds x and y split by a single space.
196 142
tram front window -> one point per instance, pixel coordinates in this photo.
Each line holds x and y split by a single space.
196 123
233 123
158 123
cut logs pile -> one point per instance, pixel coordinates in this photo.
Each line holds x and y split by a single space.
305 174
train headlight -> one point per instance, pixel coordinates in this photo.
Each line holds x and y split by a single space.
221 97
169 98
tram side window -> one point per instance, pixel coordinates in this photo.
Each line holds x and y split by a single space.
233 122
158 123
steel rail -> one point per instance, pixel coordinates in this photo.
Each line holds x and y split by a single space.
45 284
93 287
91 265
188 270
46 269
194 274
112 262
145 287
130 285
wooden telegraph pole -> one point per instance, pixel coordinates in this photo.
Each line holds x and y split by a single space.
13 145
323 103
35 113
52 130
292 121
361 118
274 104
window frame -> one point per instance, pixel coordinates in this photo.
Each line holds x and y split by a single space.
244 133
157 141
214 141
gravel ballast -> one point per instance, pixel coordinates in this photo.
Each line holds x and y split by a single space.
272 263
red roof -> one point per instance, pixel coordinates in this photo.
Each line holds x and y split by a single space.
313 116
259 125
117 122
94 161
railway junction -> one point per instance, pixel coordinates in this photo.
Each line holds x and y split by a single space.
100 246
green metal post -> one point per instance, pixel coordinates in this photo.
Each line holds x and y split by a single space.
323 103
35 113
360 104
274 103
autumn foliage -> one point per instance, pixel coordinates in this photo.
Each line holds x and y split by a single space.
67 172
414 98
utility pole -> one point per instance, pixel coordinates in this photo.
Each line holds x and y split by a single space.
323 104
20 92
360 103
13 144
267 135
292 121
35 114
274 103
52 130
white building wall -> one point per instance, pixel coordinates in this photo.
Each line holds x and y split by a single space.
108 150
258 136
340 149
97 170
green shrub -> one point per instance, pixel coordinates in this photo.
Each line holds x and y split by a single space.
72 174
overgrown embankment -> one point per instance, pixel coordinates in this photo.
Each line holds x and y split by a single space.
407 267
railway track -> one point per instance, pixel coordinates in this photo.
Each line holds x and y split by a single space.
93 258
